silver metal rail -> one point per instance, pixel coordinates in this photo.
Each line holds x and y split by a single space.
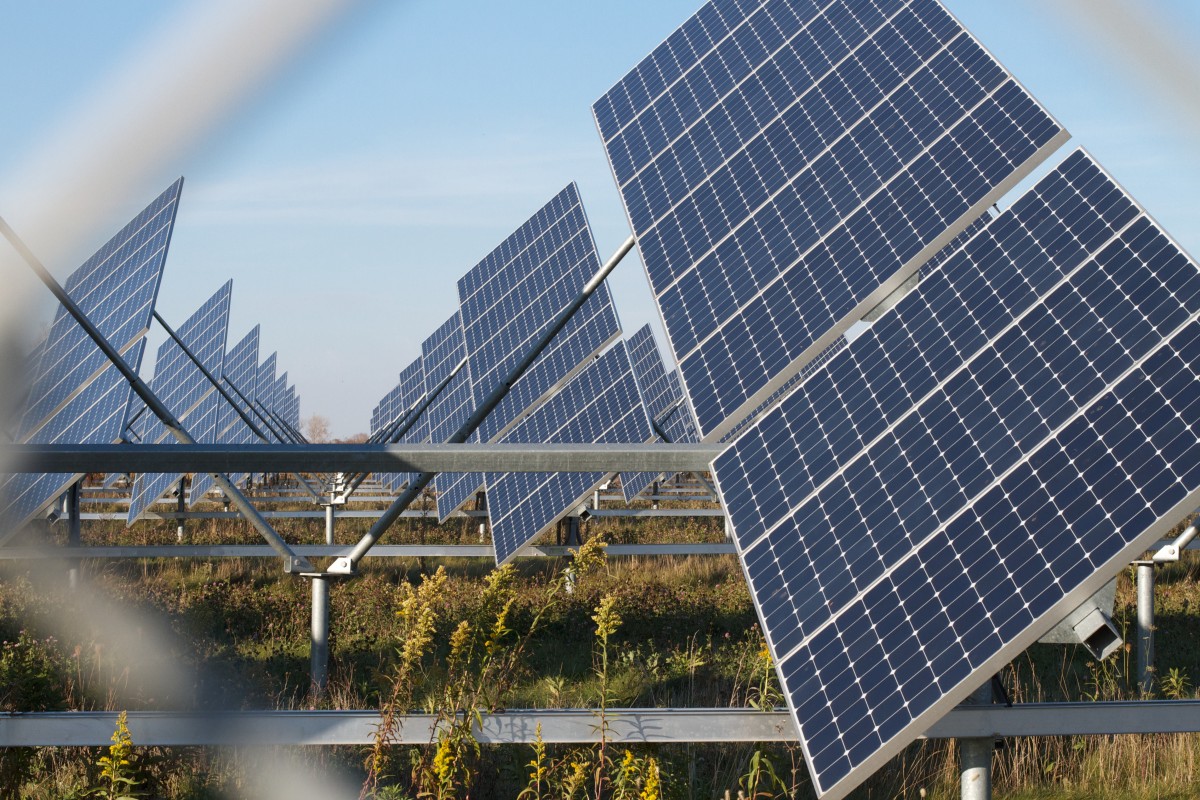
567 726
192 457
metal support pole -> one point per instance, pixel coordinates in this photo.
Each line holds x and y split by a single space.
975 755
1145 626
74 533
329 514
181 507
573 538
319 667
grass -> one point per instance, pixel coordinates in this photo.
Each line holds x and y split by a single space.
235 631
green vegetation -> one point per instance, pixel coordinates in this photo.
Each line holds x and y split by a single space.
458 639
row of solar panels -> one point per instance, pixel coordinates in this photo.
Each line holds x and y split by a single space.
76 396
918 501
585 386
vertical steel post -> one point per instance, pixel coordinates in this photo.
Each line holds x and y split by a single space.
975 755
74 531
319 654
1145 626
180 507
329 521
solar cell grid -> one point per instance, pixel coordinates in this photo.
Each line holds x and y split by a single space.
508 300
116 289
240 371
399 404
600 404
183 389
441 353
971 468
802 162
94 415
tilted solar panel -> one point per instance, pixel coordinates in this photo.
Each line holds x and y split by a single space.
509 298
785 165
76 396
664 403
91 417
184 389
600 404
401 402
441 354
960 477
116 289
240 374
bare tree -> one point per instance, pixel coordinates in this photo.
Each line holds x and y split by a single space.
316 428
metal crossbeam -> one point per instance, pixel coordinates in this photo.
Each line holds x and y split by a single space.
364 458
572 726
336 551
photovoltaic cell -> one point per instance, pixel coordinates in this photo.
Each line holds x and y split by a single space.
509 298
786 164
441 354
664 403
240 371
601 404
398 405
76 396
970 469
184 389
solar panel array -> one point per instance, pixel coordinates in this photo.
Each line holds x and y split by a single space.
664 403
441 353
240 371
183 389
600 404
506 302
396 407
972 468
784 166
75 395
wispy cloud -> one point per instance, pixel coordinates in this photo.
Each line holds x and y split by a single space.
382 190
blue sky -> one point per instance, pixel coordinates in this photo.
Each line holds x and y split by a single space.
395 154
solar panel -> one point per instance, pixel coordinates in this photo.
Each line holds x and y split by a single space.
91 417
961 476
600 404
440 354
264 395
507 301
183 389
785 165
397 405
76 395
240 371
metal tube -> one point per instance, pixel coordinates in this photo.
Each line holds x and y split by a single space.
319 654
74 533
329 522
347 565
975 755
181 507
292 562
1145 626
328 458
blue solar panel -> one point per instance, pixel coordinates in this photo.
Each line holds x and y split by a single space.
785 166
75 395
440 354
91 417
507 301
264 394
601 404
184 390
960 477
241 371
396 406
116 289
664 403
